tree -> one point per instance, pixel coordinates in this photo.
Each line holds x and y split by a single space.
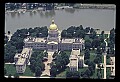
9 76
87 44
16 75
95 43
112 35
68 74
102 33
81 27
98 51
46 54
87 29
87 54
5 71
64 33
53 71
76 74
103 45
72 74
9 53
101 38
5 39
87 61
97 60
93 35
55 54
91 30
8 32
87 72
38 71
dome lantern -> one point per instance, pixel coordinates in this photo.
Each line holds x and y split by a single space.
53 26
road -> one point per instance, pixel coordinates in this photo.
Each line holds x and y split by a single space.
104 66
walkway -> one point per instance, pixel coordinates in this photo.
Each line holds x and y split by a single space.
47 64
10 63
104 66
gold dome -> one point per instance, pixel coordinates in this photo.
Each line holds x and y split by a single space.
53 26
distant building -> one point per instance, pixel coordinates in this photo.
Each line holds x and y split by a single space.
22 59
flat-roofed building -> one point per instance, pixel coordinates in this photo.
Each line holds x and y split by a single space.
113 66
73 63
54 41
21 60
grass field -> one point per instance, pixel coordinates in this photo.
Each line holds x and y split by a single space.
108 73
95 74
92 56
12 70
62 74
102 59
108 61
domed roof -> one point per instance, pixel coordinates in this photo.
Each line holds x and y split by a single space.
53 26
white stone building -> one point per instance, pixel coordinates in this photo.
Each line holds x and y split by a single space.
76 60
113 66
22 59
51 43
54 41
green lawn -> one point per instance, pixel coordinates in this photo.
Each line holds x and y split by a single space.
62 74
68 52
108 72
108 61
92 51
27 72
95 74
12 70
102 59
92 56
82 69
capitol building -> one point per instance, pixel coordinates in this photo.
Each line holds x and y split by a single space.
54 41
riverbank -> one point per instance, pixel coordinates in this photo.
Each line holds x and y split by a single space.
76 6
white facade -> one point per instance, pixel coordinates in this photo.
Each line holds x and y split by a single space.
54 41
21 60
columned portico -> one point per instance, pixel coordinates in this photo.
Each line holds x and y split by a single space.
52 46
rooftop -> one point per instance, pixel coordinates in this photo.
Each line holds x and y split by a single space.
52 42
73 62
79 40
21 61
40 40
29 39
67 40
75 52
22 57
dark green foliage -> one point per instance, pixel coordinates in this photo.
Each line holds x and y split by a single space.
37 66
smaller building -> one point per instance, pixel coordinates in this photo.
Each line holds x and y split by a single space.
21 60
113 66
73 63
76 60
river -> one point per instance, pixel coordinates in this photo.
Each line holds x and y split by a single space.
96 18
